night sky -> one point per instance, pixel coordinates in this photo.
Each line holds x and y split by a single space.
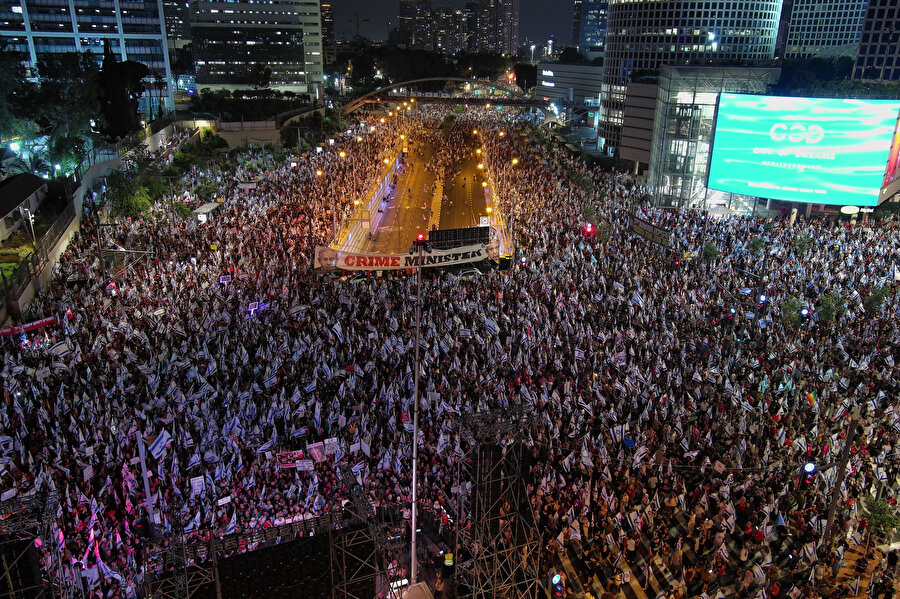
538 19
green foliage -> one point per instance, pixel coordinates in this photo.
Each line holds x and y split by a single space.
830 308
156 188
590 213
182 210
204 192
886 210
121 85
247 104
14 88
768 227
802 243
710 251
185 159
873 302
882 516
170 170
790 311
756 245
211 141
126 196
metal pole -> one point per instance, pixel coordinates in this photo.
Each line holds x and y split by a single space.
415 482
333 212
100 253
842 469
142 452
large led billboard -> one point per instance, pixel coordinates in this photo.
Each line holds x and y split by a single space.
821 150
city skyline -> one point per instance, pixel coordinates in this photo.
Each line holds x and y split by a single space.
537 21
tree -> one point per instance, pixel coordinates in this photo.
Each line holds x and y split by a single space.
790 311
710 251
882 517
802 243
14 87
569 54
126 196
830 308
121 85
873 302
526 75
756 245
260 76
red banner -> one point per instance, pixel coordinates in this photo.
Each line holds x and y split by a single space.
37 324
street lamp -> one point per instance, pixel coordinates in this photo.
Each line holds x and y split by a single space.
515 161
420 245
532 52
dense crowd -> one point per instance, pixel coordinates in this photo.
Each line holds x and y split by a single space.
662 418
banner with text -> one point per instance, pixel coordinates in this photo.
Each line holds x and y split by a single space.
18 329
329 258
651 232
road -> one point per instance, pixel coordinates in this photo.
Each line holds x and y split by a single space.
405 217
465 196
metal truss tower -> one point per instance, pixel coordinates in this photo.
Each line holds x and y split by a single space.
501 549
26 520
364 557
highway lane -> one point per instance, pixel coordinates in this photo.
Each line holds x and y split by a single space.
404 216
464 202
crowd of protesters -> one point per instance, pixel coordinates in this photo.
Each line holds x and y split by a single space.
672 411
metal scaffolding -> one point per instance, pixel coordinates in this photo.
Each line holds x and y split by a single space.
500 546
25 520
364 556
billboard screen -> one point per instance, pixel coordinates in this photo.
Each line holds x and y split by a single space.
821 150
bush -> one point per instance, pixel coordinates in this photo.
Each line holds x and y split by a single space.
873 302
802 243
710 251
830 308
756 245
183 210
156 188
134 202
790 311
204 193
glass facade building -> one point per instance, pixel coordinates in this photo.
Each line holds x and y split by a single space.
234 41
643 35
134 28
879 47
592 27
683 127
824 28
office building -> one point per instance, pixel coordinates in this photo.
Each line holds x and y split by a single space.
450 31
643 35
471 12
592 26
879 48
498 27
406 19
576 23
683 129
329 44
824 28
178 28
415 24
235 41
136 31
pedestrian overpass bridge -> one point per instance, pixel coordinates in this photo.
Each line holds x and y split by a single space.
499 95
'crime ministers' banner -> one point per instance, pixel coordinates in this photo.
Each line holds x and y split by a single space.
329 258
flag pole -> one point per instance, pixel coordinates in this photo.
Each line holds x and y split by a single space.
415 483
149 498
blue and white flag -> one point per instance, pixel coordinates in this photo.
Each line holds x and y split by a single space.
158 447
579 354
338 331
618 432
232 525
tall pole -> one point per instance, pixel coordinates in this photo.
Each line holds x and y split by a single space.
842 469
333 213
415 481
100 255
142 453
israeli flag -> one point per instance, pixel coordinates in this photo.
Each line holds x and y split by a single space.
338 331
618 433
637 300
158 447
194 524
232 525
579 354
60 349
311 387
465 333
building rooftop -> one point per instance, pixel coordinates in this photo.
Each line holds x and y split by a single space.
14 190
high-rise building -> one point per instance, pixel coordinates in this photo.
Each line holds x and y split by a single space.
450 33
235 42
498 27
576 23
642 35
423 37
178 28
824 28
329 44
406 22
879 48
135 30
415 24
472 12
592 28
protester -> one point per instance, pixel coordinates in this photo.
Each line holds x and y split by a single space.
668 433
